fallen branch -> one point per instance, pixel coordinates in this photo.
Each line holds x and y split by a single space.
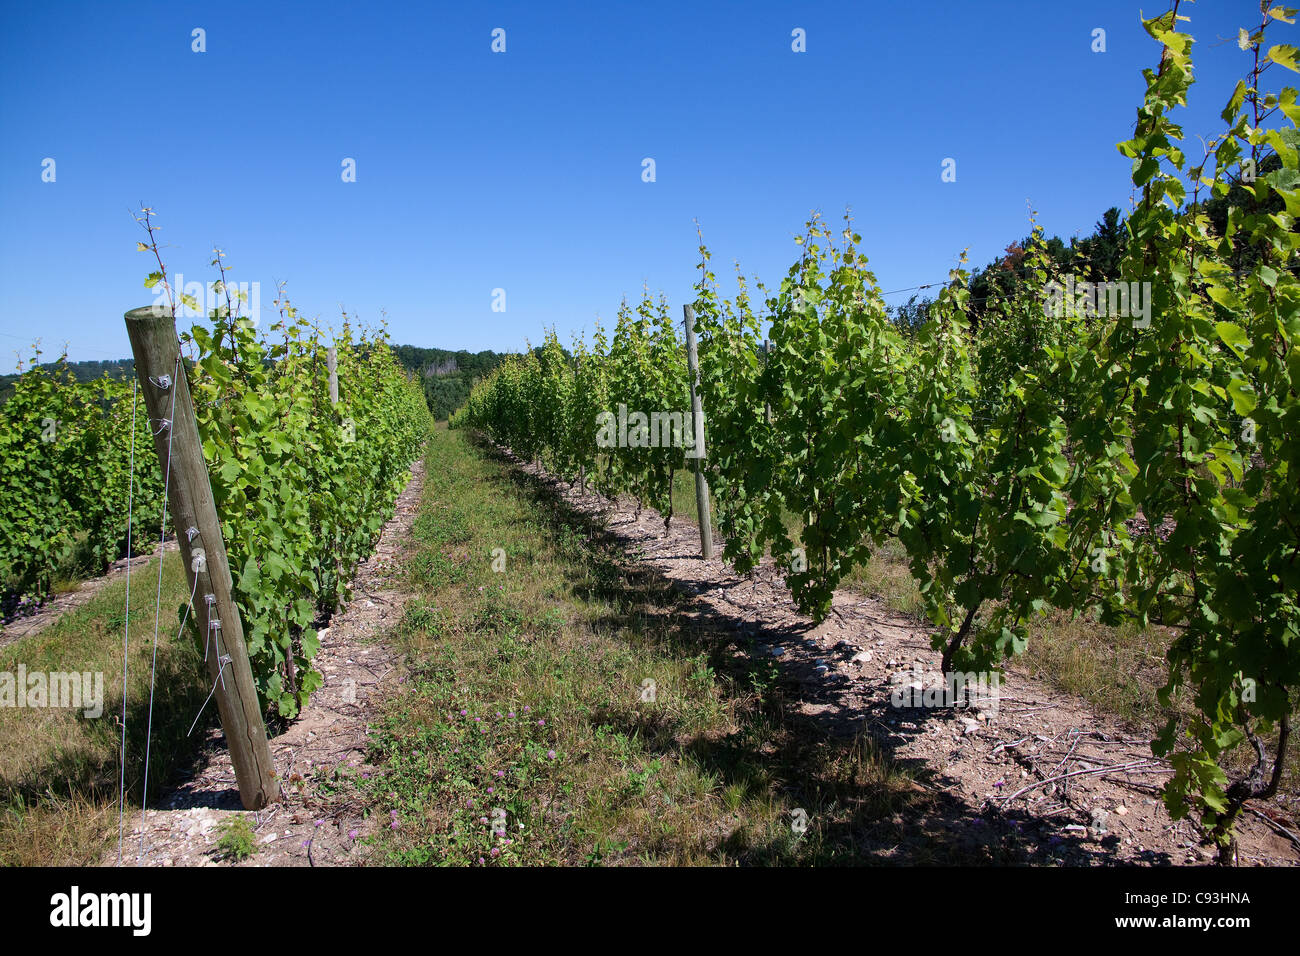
1275 825
1114 768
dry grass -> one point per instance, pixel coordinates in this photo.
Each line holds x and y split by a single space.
887 578
59 769
1117 670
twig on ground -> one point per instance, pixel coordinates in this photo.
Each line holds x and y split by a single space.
1276 826
1032 710
1077 738
1114 768
1009 743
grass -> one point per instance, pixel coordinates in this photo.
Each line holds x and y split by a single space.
887 578
59 770
237 841
576 709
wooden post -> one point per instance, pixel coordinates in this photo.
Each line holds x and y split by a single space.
582 469
697 432
767 357
166 394
332 363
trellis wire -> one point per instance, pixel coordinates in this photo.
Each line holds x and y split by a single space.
153 673
126 625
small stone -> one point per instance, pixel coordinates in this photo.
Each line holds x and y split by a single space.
1121 810
1098 825
969 726
861 657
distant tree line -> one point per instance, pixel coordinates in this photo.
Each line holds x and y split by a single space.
1096 257
446 376
117 369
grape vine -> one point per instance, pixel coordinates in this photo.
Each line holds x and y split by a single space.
1129 455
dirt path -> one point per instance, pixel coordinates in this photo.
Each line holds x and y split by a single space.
61 604
1004 762
316 823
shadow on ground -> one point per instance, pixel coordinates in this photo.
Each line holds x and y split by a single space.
864 804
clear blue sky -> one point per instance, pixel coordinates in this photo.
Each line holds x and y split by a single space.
522 170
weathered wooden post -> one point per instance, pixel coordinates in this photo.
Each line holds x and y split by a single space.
166 393
582 469
697 432
332 363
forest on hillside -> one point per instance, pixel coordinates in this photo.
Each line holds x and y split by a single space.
446 376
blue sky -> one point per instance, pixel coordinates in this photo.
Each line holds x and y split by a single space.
523 170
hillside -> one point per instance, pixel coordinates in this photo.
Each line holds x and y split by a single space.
447 376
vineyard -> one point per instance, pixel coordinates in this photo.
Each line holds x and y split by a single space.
302 484
1118 447
65 477
346 632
